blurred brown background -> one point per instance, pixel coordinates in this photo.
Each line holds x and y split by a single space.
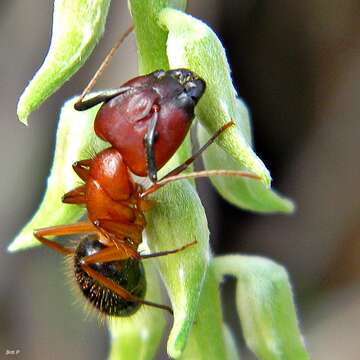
297 65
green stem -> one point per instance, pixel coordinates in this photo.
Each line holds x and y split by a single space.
150 37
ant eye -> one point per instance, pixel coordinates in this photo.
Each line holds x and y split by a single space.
183 76
195 89
179 74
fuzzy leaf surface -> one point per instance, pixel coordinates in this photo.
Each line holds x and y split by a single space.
77 27
192 44
75 140
138 336
244 193
265 306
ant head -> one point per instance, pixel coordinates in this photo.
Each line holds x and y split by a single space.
187 84
123 121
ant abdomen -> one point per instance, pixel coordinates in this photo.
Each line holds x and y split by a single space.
129 274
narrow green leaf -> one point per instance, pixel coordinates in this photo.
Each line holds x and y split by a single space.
192 44
207 339
265 307
178 218
75 140
138 336
77 27
245 193
150 37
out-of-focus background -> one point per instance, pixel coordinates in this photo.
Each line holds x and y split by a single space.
297 65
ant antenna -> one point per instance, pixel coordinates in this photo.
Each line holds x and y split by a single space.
105 63
198 174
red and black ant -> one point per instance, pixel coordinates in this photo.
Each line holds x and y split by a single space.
145 121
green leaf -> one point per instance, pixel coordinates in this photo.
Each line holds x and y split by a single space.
178 218
207 337
265 307
150 37
192 44
75 139
138 336
245 193
77 27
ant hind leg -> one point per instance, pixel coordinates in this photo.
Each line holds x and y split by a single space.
119 290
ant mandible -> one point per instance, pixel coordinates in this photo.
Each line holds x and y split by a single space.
145 121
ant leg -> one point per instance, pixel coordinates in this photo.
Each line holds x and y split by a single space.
84 105
121 230
191 159
109 254
76 196
81 168
61 230
117 289
113 254
174 174
169 252
149 141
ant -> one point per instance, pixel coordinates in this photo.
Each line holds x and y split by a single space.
145 121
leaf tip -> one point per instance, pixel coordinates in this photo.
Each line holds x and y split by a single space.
22 241
14 246
11 248
175 349
289 206
22 112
